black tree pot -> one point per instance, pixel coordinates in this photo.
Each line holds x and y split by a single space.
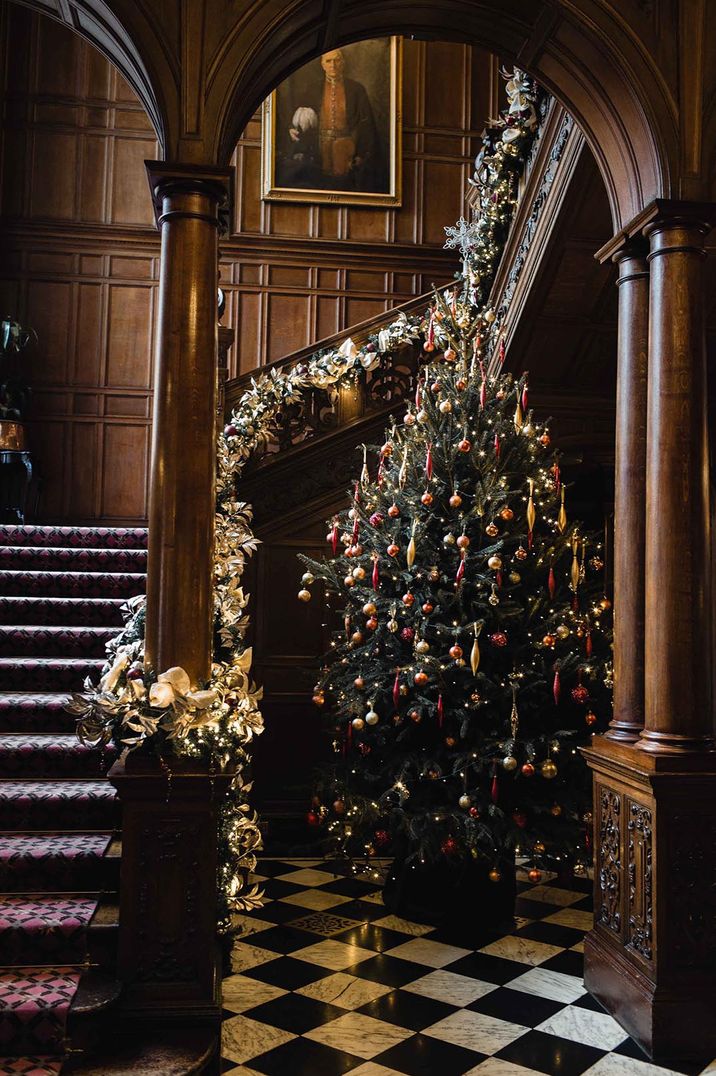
457 896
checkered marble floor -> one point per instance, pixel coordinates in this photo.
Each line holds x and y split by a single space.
324 982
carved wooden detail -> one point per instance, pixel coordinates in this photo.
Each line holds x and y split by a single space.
609 862
640 867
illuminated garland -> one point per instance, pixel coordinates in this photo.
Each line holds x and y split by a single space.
134 707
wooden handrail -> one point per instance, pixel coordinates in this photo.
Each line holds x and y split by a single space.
359 333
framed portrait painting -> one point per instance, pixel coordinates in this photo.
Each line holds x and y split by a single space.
332 131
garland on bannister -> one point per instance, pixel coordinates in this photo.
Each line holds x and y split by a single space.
137 708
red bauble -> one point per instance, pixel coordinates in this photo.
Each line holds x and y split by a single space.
359 683
407 635
393 511
464 445
498 638
428 608
381 838
313 819
456 651
449 846
474 813
519 818
415 716
421 678
408 599
376 519
339 806
534 875
372 623
590 719
427 498
393 550
580 693
230 430
528 770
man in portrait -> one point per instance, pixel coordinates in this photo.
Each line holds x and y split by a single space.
331 142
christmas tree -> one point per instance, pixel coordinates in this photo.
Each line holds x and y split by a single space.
474 658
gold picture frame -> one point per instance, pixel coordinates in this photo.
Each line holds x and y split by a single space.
353 158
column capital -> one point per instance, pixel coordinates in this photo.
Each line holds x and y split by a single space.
167 178
657 214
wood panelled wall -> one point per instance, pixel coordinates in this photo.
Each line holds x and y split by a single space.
80 253
80 265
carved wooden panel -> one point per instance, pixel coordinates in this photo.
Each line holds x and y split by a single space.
639 868
693 877
609 867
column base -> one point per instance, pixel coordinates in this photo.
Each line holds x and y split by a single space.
667 1026
651 956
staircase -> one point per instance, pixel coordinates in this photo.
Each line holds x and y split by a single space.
61 592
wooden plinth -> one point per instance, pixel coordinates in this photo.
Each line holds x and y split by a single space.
168 957
651 957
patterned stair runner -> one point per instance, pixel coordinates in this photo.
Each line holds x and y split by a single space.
61 594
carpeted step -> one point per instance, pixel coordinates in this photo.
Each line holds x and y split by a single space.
62 612
27 755
43 641
58 862
45 928
32 1066
52 559
34 1007
49 805
72 584
37 711
75 537
48 674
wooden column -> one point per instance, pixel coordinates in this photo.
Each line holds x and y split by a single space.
678 704
183 462
630 492
651 956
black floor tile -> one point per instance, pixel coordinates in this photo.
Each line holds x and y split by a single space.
294 1012
275 888
550 1054
269 868
516 1007
304 1056
407 1010
367 936
629 1048
364 910
388 970
588 1002
490 969
287 973
534 909
422 1055
551 933
285 939
277 912
569 962
351 887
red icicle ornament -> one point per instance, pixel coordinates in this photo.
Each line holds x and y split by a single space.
530 539
396 689
355 530
419 391
376 575
501 351
498 580
495 788
483 395
556 686
334 538
441 712
588 644
380 478
429 462
525 398
551 582
460 571
497 446
557 478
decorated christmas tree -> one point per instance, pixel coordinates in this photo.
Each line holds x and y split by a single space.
474 656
